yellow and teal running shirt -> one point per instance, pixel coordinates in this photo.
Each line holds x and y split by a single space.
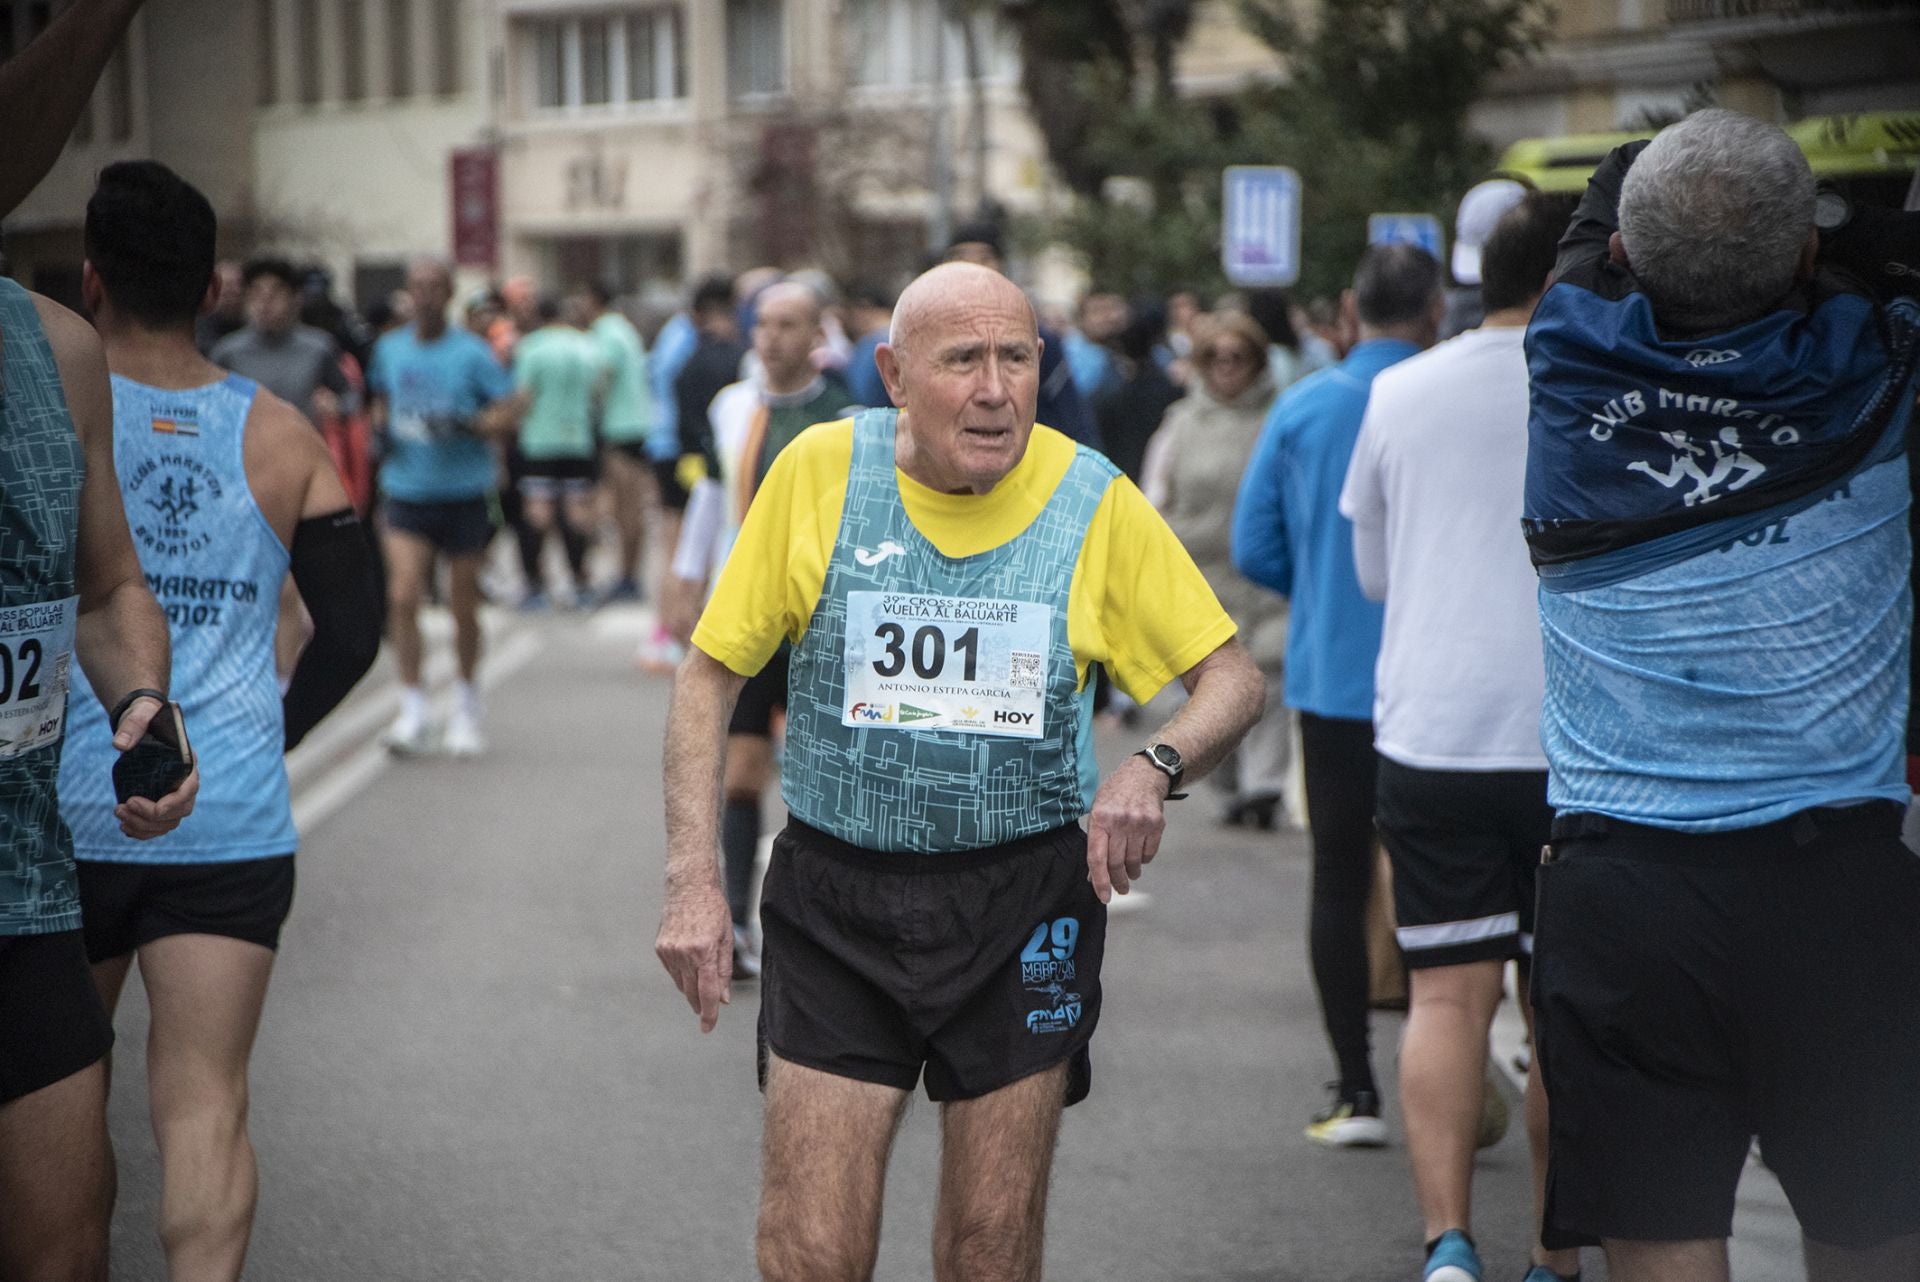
939 696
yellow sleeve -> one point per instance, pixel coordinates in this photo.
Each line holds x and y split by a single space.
773 577
1139 604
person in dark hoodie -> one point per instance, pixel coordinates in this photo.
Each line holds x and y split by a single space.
1716 503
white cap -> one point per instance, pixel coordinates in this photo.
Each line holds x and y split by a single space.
1480 212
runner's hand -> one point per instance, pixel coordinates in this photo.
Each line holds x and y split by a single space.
141 819
695 944
1123 836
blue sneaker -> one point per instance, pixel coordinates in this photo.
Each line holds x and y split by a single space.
1453 1259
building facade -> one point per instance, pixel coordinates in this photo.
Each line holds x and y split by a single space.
646 141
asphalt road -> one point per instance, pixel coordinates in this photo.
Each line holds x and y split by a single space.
472 1067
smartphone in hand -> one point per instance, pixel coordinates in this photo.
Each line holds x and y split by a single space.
157 764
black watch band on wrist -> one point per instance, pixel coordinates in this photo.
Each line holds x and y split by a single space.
120 708
1165 758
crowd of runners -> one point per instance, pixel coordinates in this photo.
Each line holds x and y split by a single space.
1577 567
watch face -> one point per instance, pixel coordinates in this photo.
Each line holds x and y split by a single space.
1166 755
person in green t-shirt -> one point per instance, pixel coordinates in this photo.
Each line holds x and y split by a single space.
556 370
625 421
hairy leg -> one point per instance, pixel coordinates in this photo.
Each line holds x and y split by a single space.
1899 1258
996 1155
57 1181
409 562
630 484
824 1172
1702 1260
463 601
206 992
1443 1074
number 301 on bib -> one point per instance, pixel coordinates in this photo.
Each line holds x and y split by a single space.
947 663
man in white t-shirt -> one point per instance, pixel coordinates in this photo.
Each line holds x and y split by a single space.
1434 493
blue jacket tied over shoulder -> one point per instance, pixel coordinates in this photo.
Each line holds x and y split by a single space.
1720 526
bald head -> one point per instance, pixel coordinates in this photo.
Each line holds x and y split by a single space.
953 289
963 364
792 296
786 329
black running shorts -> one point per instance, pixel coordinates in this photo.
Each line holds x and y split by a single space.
764 691
1692 991
123 906
982 968
1464 846
52 1019
673 495
549 478
459 527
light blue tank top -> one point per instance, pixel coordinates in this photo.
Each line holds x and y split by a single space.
1760 678
216 567
41 467
933 703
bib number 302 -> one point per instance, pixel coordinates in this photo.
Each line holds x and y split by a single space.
926 651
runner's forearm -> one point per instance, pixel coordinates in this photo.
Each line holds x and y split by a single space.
1227 698
44 87
704 692
122 644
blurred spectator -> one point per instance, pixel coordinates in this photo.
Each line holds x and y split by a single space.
1129 409
1289 361
229 310
556 369
1480 212
1103 316
625 419
714 363
297 363
869 312
1326 335
1193 472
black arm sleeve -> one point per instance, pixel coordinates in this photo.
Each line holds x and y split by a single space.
333 568
1598 216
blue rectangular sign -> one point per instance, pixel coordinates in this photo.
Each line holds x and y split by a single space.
1412 229
1260 225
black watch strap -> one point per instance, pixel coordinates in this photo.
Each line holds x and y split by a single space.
120 708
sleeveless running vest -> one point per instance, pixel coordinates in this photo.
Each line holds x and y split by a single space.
41 467
932 703
216 567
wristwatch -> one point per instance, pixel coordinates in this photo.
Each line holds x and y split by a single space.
1165 758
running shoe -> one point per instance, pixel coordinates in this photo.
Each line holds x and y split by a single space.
1453 1259
1350 1121
1494 1113
623 591
463 737
409 735
659 654
746 953
1541 1273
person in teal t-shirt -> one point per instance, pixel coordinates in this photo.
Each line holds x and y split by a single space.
556 369
626 420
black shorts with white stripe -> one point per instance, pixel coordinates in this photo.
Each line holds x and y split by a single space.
1465 845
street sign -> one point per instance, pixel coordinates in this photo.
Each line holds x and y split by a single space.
1260 225
1411 229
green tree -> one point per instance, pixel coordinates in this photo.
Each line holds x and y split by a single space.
1372 113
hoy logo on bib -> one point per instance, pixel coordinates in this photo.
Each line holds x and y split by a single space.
947 663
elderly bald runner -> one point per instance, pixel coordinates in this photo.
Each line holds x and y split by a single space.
947 574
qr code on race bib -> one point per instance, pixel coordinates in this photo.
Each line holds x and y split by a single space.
1026 669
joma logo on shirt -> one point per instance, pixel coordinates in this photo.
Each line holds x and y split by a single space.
887 549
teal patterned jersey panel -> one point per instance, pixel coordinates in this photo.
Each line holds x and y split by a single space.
934 702
41 469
